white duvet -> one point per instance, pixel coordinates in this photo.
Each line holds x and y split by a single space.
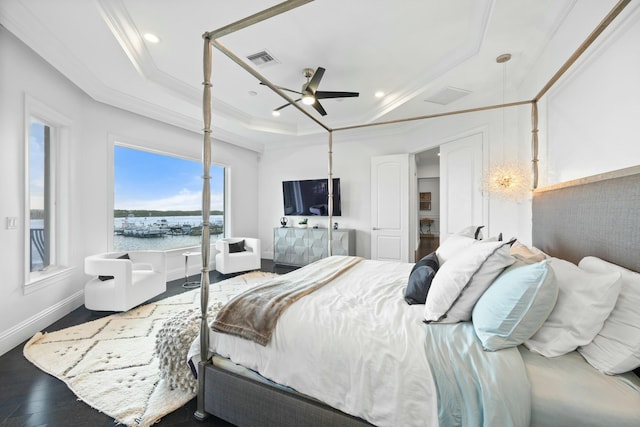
356 345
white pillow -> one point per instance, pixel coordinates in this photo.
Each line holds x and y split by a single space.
584 302
474 231
515 306
616 348
452 246
461 281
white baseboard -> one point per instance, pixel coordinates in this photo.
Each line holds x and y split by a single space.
26 329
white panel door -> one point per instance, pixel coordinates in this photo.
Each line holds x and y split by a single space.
461 200
390 208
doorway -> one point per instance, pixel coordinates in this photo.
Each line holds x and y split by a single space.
428 202
428 216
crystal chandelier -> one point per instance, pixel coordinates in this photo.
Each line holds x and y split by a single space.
507 180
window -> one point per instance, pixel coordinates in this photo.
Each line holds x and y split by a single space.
41 194
46 199
158 202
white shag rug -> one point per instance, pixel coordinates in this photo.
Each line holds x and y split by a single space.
111 363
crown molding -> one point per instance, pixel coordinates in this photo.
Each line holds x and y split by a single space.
115 15
118 20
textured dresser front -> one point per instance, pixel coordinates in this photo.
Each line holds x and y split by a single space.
290 246
302 246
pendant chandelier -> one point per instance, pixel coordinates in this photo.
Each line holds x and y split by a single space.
507 180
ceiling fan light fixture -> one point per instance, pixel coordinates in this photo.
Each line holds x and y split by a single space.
275 113
311 96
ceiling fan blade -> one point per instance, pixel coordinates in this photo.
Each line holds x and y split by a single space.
285 105
284 88
326 95
315 80
319 108
289 90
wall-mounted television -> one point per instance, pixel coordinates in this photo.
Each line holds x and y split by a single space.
310 197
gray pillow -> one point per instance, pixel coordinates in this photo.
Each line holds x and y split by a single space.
236 247
105 278
420 279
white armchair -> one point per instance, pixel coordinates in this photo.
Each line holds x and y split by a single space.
120 284
247 259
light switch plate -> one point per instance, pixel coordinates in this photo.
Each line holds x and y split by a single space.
12 223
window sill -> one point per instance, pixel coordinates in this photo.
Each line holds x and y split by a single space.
41 279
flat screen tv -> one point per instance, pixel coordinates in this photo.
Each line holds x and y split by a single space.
310 197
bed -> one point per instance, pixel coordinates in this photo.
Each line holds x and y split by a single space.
562 390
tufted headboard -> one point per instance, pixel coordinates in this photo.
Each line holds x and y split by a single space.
598 216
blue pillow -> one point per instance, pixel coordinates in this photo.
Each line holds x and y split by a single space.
515 306
420 279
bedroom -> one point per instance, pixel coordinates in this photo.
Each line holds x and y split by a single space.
605 113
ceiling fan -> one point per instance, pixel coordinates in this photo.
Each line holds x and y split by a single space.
310 95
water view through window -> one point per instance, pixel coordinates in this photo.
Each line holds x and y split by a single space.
39 195
157 201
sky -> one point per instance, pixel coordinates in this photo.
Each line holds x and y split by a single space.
36 165
145 180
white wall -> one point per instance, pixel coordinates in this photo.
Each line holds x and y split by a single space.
94 126
352 153
588 118
592 113
429 168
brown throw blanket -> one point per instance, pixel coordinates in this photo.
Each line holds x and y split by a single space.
253 314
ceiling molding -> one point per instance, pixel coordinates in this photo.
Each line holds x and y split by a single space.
115 15
118 20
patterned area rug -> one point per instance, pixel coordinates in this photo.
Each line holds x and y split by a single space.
110 363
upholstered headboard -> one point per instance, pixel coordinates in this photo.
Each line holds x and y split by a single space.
598 216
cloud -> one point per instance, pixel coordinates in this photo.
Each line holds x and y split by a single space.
184 200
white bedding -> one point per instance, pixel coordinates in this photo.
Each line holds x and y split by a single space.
567 392
377 366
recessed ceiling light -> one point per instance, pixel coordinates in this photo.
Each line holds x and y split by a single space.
151 38
379 94
275 113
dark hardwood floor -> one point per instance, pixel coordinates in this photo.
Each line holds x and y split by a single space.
30 397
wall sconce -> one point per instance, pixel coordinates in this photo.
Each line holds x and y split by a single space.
509 181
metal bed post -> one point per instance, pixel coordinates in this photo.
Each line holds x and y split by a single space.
330 182
200 413
534 144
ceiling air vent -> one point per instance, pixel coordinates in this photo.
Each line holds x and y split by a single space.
447 95
262 58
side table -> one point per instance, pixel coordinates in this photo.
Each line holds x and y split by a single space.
187 284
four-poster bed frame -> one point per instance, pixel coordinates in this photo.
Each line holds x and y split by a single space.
300 409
